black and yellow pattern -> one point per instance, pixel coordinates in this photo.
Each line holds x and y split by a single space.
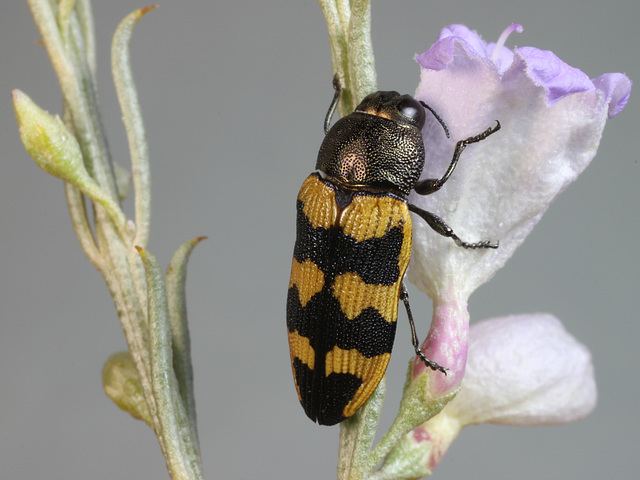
342 306
352 249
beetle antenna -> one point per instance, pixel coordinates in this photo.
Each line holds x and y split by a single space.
334 103
440 121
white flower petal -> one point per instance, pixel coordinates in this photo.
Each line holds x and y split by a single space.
525 370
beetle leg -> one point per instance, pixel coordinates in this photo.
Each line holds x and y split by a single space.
441 227
404 296
430 185
334 103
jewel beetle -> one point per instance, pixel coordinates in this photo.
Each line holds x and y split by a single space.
353 246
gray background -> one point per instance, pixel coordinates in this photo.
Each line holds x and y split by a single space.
234 96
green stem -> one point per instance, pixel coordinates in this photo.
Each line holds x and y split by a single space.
349 25
78 212
361 61
146 311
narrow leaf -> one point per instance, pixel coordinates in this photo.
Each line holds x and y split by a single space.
177 438
85 19
181 343
133 122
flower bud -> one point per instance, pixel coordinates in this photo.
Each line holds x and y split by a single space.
121 384
48 141
57 152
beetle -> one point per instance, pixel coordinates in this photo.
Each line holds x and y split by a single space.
353 246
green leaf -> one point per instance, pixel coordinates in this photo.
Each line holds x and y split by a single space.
121 384
133 122
416 407
177 436
176 296
356 437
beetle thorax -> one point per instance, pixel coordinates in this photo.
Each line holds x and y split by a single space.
352 163
368 152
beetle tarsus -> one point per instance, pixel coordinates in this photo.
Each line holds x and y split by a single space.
430 363
440 226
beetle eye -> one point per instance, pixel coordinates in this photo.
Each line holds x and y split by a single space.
411 108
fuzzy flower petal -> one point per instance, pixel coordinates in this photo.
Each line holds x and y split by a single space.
552 118
525 370
521 370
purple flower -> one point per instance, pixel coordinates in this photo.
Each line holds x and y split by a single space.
552 118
